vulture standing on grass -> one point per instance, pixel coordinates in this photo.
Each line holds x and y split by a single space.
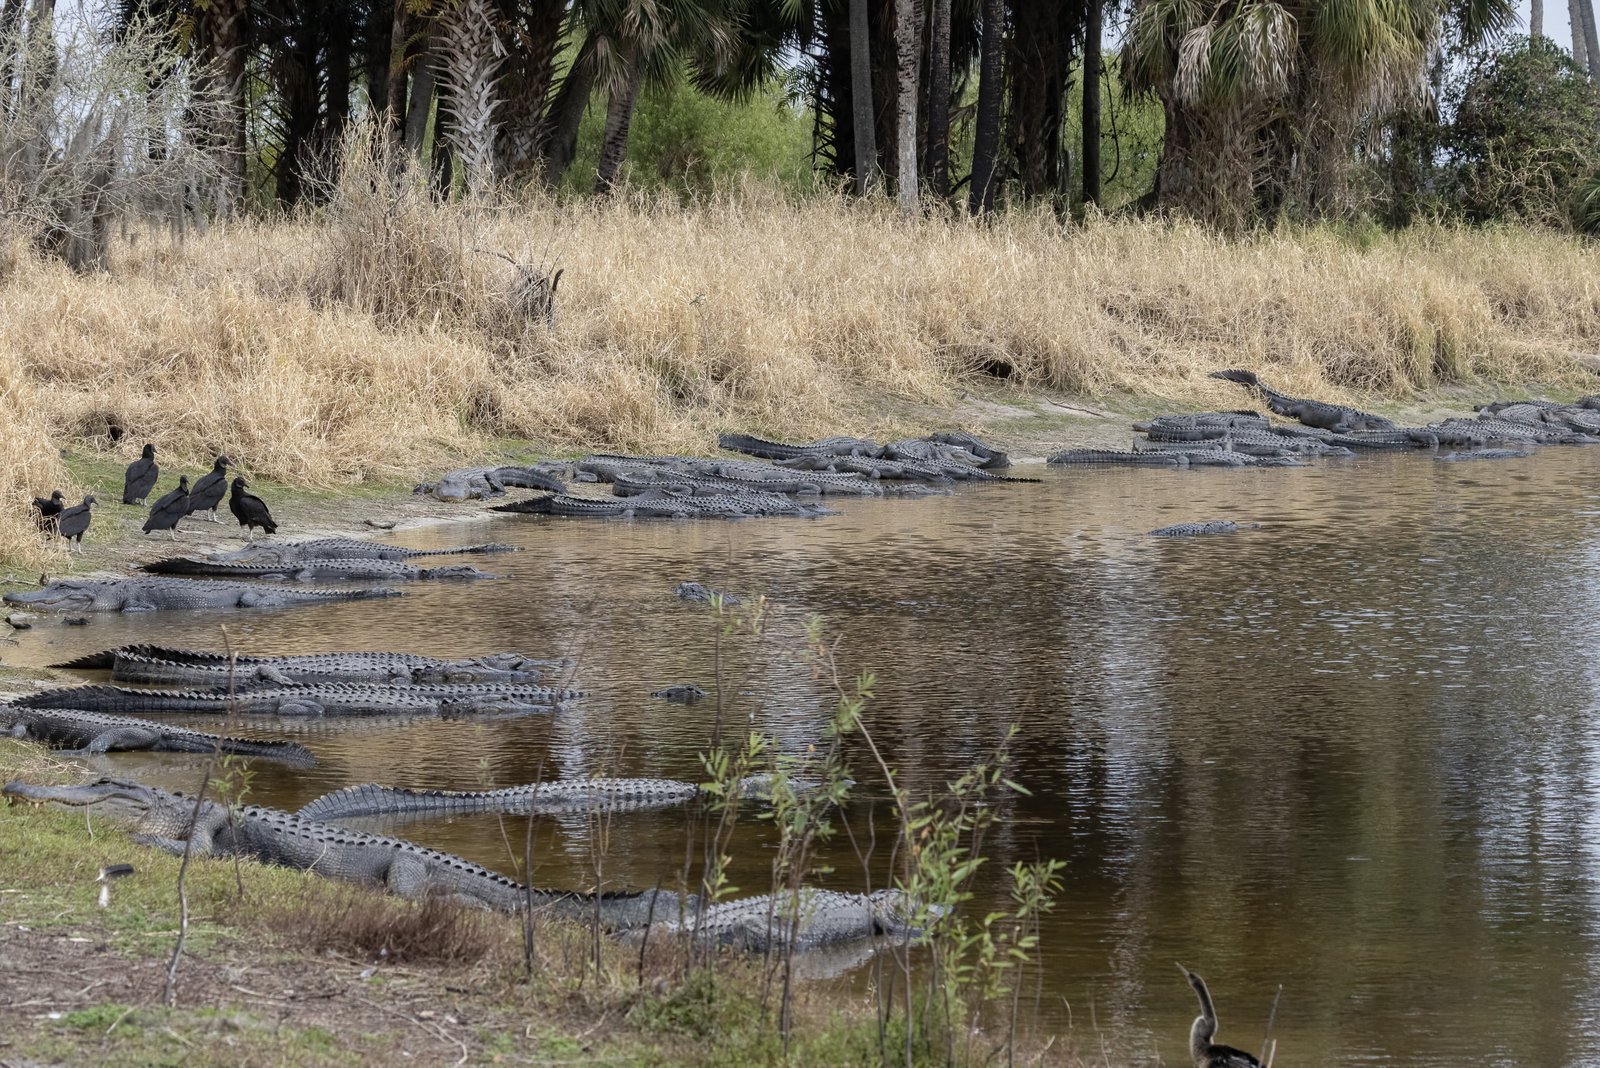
141 477
209 491
250 510
72 522
166 512
48 508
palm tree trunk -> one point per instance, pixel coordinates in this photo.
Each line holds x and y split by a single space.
524 116
422 83
908 39
619 119
1091 103
866 146
939 101
1536 19
222 32
986 144
1591 46
394 99
1576 24
566 114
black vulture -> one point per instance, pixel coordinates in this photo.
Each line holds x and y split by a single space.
166 512
250 510
209 491
72 522
48 508
141 477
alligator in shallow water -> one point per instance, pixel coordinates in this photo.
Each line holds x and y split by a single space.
285 552
1484 454
657 505
572 795
163 666
213 829
1190 530
153 594
311 699
1335 417
478 483
686 693
312 570
1111 456
98 732
809 918
931 470
694 591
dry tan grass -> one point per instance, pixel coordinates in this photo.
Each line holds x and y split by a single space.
376 338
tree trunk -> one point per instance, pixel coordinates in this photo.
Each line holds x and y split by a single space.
1091 103
986 143
1591 46
862 118
1039 55
566 114
535 38
444 156
10 52
422 84
619 119
1536 19
394 100
1580 55
908 39
939 101
223 31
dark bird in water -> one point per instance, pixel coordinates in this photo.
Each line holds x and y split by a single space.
48 508
1206 1053
250 510
141 477
168 510
209 491
72 522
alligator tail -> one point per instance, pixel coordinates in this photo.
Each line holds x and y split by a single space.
1244 378
101 661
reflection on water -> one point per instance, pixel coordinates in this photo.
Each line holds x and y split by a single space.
1351 753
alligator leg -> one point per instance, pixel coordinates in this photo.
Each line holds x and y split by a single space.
121 739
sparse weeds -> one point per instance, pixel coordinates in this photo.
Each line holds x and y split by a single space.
355 923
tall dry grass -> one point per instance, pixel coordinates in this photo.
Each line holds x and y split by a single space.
376 337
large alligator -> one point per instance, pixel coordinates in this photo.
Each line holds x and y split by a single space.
1190 530
1335 417
1156 458
311 570
286 552
312 699
97 732
479 483
163 666
808 918
935 469
751 445
571 795
655 505
167 820
754 501
152 594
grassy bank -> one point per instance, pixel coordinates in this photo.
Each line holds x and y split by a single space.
378 339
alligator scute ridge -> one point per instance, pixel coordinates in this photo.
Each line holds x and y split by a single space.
168 666
99 732
155 593
310 699
308 570
347 549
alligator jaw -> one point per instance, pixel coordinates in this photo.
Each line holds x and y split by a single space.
53 596
94 793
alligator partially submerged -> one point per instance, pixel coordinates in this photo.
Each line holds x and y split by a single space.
311 699
163 666
1484 454
1190 530
154 594
478 483
312 570
571 795
656 504
167 820
286 552
807 919
98 732
1335 417
1154 458
686 693
694 591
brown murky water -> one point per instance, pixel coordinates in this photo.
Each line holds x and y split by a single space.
1354 752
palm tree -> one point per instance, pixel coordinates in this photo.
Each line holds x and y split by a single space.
866 147
222 44
1092 31
986 141
1575 21
908 50
939 100
1536 19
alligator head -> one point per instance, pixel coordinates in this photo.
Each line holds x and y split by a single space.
71 594
121 799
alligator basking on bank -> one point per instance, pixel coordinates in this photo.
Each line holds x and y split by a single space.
98 732
573 795
1335 417
656 504
739 475
162 666
1190 530
947 447
312 570
166 820
288 552
478 483
933 470
311 699
155 594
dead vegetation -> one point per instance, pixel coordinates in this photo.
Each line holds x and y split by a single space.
354 922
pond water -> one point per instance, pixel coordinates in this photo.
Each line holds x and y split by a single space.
1354 752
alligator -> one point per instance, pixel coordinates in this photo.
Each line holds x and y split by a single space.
312 570
569 795
163 666
213 829
757 501
988 456
1219 454
684 693
778 450
1404 437
1334 417
1540 434
1207 424
694 591
931 470
654 505
97 732
1247 443
1484 454
311 699
1111 456
479 483
153 594
286 552
1189 530
808 918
